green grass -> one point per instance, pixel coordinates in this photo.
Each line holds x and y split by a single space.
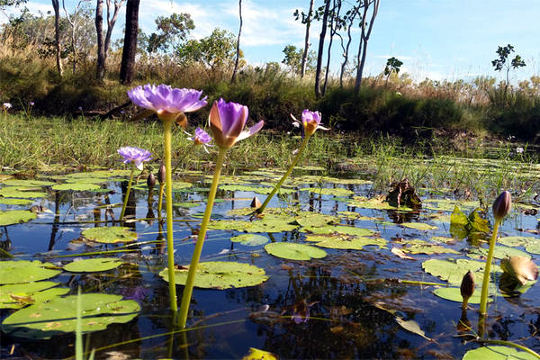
471 167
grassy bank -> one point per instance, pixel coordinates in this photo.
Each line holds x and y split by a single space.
471 166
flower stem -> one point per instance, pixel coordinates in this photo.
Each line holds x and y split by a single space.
289 171
127 192
487 271
188 289
160 200
167 127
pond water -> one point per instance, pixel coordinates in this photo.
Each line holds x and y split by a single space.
371 296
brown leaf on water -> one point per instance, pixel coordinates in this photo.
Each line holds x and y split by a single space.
401 254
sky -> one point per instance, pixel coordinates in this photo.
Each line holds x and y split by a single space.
438 39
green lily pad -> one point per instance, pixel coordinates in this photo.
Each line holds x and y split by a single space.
375 204
419 226
110 235
77 187
220 275
346 241
329 191
11 192
294 251
496 352
454 294
186 205
250 239
180 185
309 219
16 296
500 252
531 244
255 189
11 217
9 201
27 183
23 271
423 247
58 316
90 180
341 229
453 271
93 265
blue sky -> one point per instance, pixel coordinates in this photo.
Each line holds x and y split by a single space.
439 39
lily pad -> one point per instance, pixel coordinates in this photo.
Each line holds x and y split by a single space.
27 183
220 275
419 226
454 294
186 205
341 229
110 235
256 354
250 239
346 241
423 247
11 192
15 217
453 271
255 189
308 219
58 316
77 187
496 352
9 201
294 251
23 271
93 265
16 296
500 252
375 204
329 191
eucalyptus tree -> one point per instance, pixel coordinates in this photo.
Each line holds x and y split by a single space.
58 49
171 32
349 18
393 66
366 26
237 42
322 13
75 21
336 24
113 9
306 19
503 62
127 67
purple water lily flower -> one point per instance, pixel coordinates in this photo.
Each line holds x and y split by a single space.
201 137
227 122
167 102
311 121
135 155
31 103
6 106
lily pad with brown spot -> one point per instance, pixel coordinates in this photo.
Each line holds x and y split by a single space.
24 271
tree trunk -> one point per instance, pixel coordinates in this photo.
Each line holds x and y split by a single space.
100 70
321 50
349 40
362 48
73 42
334 25
306 41
130 42
110 23
237 42
56 6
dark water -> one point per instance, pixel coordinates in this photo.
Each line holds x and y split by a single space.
346 292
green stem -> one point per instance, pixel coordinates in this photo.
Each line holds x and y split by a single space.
487 271
127 192
509 343
188 289
160 200
289 171
167 127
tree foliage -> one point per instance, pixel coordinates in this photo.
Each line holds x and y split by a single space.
171 32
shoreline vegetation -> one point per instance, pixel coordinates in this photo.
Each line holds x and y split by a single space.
30 145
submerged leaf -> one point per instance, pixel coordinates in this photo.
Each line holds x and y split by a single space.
412 326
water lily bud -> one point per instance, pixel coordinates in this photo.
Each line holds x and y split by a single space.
502 205
520 268
467 287
255 203
161 173
151 180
